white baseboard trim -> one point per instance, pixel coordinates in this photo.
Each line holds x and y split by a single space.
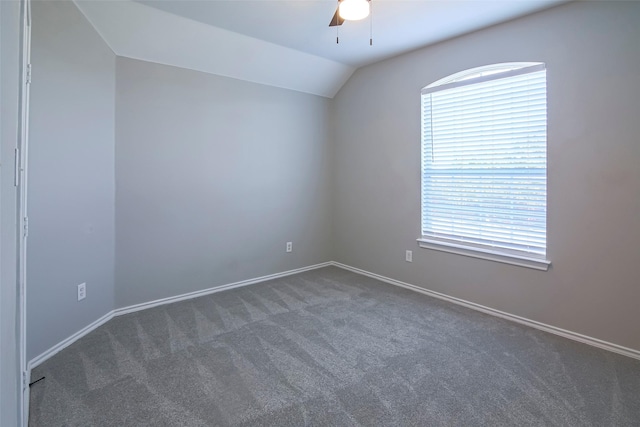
143 306
615 348
190 295
68 341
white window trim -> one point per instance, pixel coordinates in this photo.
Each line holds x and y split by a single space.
499 254
487 254
458 83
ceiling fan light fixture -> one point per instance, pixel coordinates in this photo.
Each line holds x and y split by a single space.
353 10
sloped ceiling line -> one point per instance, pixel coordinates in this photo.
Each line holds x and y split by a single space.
137 31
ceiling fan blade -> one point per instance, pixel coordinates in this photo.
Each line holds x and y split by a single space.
336 20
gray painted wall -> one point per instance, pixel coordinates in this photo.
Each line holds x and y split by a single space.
71 176
9 84
213 176
593 57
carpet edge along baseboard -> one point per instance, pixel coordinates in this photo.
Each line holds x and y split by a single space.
615 348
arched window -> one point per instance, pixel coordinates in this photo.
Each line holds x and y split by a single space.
484 164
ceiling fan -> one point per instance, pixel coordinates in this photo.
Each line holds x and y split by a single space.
350 10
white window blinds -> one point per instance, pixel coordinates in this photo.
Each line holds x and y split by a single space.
484 161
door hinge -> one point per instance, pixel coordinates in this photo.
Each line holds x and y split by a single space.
28 74
25 381
25 226
16 167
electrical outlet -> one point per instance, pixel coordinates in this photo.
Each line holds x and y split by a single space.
82 291
408 256
289 247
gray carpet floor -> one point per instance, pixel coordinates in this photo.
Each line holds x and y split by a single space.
330 348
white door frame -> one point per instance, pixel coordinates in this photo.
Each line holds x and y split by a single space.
22 157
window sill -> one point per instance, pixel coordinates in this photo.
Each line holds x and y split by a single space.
488 254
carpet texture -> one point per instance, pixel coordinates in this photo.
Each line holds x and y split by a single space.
329 348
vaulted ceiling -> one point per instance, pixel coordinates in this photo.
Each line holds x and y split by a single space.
287 43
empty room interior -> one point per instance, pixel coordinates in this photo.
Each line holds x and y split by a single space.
290 213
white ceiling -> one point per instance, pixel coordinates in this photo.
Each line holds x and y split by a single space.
286 43
398 25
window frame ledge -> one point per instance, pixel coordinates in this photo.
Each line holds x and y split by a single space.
541 264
